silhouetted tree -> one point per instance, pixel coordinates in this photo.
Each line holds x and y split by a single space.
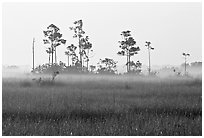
185 56
86 47
135 67
78 33
75 61
128 47
84 44
54 38
68 54
72 51
149 48
107 66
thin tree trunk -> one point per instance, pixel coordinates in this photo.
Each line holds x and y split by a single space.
49 59
68 61
33 53
80 53
88 60
185 65
72 61
149 61
87 65
127 64
55 55
82 63
52 55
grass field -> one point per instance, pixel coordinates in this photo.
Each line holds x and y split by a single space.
102 105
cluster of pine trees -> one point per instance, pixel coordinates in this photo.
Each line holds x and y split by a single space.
80 61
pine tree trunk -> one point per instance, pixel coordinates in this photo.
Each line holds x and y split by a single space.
88 60
127 64
55 55
185 66
87 65
149 61
68 61
72 61
52 52
49 59
52 55
82 63
80 54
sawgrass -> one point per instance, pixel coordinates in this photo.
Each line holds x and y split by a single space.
101 105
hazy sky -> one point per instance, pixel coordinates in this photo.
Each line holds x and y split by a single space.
173 28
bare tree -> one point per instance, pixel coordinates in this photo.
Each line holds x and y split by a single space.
33 49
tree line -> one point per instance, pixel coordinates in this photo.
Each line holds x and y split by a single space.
80 61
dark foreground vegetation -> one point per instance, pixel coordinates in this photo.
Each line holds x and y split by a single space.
102 105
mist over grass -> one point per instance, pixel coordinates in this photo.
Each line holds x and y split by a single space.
101 105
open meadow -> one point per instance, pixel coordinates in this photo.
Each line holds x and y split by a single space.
101 105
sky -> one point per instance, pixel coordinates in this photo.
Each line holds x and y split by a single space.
172 28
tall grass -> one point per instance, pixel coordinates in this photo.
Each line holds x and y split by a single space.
102 105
